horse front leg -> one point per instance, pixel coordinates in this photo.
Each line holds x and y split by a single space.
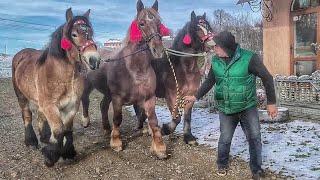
157 146
44 128
52 151
68 151
170 127
115 140
85 100
187 135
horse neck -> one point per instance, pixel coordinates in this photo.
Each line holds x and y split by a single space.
182 62
139 61
65 68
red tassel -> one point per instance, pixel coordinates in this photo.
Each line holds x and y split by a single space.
164 31
187 39
135 33
65 44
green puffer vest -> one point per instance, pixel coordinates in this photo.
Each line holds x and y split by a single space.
235 88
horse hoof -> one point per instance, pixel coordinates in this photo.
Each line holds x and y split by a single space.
70 154
48 162
192 143
161 155
117 148
85 122
146 131
190 140
165 130
32 143
51 156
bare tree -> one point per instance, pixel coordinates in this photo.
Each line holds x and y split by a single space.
248 32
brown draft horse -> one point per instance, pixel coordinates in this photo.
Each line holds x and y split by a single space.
191 39
52 81
130 79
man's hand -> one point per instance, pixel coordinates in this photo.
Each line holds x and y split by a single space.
272 110
190 99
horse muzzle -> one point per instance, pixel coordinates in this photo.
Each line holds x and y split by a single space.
92 59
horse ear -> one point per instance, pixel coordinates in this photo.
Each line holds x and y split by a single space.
204 15
140 6
193 16
69 15
155 5
87 14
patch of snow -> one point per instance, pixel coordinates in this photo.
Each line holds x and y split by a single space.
291 149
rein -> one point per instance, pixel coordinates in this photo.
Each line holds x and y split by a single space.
121 58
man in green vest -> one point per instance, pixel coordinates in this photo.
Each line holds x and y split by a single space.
233 72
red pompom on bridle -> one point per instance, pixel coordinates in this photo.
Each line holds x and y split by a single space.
136 34
164 31
187 39
66 44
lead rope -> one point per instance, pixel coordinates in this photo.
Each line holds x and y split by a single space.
179 105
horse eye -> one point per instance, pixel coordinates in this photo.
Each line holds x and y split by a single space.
74 35
141 24
150 16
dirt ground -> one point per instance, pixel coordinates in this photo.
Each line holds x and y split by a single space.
96 160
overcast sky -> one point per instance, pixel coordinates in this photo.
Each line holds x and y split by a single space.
110 18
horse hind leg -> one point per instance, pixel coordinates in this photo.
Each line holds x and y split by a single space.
115 139
104 107
30 135
187 134
44 128
141 117
85 100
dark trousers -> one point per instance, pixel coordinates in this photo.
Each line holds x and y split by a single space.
249 121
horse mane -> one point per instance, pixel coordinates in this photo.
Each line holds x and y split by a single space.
54 46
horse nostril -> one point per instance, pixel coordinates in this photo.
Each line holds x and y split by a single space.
93 63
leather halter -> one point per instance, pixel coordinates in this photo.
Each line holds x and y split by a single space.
88 42
208 34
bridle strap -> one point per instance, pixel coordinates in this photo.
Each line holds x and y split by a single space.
207 36
87 44
148 39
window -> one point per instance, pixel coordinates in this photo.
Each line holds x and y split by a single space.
305 35
303 4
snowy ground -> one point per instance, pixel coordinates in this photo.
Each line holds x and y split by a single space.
291 149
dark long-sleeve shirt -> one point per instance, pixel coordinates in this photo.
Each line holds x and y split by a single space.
256 67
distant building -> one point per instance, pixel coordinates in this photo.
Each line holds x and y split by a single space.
5 65
112 44
167 41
